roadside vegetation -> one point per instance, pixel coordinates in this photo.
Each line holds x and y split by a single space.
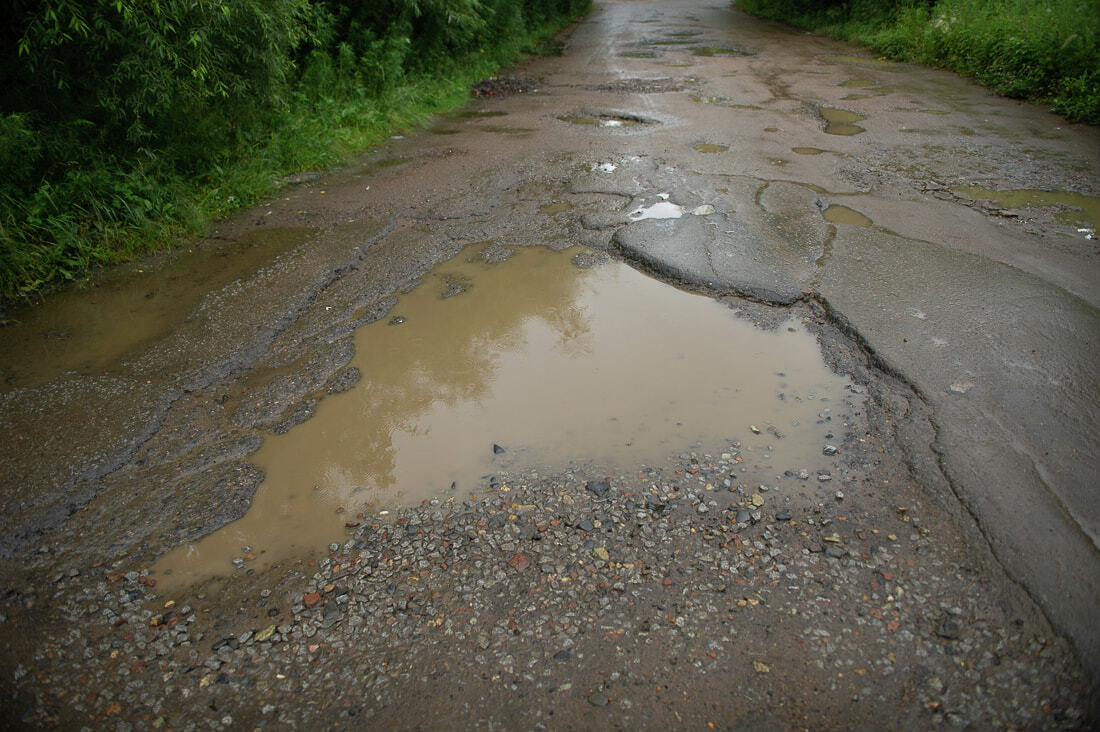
127 123
1046 51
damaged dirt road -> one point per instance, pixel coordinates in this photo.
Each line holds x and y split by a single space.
883 516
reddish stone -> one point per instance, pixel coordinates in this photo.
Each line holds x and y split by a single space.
519 561
311 599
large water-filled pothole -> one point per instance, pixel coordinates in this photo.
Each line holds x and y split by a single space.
538 363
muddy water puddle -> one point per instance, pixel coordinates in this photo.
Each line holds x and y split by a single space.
1084 209
90 329
837 214
536 364
841 121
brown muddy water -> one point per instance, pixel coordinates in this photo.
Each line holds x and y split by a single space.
837 214
531 363
89 329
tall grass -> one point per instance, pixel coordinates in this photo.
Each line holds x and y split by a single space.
1046 51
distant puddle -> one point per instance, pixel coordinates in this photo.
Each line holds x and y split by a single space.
553 363
603 120
708 51
854 97
807 150
837 214
639 54
1089 206
841 121
89 330
551 209
477 113
708 147
857 83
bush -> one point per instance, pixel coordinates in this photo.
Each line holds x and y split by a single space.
147 117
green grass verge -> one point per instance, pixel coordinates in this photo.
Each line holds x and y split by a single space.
95 213
1045 51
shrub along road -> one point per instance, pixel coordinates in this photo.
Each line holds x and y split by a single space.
942 571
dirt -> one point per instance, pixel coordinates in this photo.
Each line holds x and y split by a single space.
730 579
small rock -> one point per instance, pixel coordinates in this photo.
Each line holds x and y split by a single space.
519 561
497 449
598 487
598 699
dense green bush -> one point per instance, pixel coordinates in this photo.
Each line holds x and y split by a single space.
123 122
1046 51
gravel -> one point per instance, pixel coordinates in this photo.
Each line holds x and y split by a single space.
570 600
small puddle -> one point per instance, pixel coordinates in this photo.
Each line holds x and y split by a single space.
708 147
500 130
934 111
477 113
90 329
841 121
837 214
854 97
708 51
551 209
555 364
857 83
807 150
1089 206
639 54
602 120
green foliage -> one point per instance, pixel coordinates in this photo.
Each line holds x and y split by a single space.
147 117
1046 51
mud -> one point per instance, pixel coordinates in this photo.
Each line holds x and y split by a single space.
967 325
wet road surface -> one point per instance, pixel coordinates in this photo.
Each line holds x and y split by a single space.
910 576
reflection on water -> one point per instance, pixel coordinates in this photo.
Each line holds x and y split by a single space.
555 364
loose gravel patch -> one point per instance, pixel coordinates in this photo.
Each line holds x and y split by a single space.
711 590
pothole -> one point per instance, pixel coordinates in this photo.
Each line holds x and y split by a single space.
640 86
837 214
609 119
807 150
536 364
709 51
841 121
1079 209
709 147
90 330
